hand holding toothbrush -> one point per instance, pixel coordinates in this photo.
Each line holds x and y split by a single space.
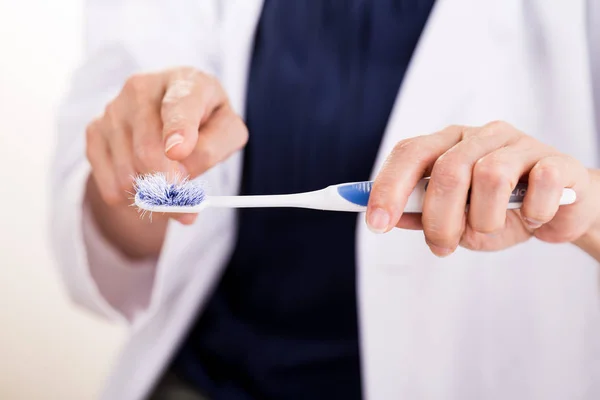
486 162
177 121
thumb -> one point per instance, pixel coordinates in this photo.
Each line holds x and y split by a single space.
189 99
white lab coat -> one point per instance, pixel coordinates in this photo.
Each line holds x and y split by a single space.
519 324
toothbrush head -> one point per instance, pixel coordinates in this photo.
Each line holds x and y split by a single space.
156 192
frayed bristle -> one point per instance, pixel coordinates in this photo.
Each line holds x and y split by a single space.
158 190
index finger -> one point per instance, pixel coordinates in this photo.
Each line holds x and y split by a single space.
190 98
405 166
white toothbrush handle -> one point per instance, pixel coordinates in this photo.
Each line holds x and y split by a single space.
315 200
353 197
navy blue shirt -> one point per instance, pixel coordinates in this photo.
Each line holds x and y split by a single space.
282 322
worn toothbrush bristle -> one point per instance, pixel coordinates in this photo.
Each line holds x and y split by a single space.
158 189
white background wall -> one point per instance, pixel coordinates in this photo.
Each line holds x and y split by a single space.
48 348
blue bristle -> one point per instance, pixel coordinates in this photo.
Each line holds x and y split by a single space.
158 190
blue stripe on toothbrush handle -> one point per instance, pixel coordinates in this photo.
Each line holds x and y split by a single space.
356 193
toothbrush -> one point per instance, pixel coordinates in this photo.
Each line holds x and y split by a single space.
157 193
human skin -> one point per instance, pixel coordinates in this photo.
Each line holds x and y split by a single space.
177 121
489 161
180 121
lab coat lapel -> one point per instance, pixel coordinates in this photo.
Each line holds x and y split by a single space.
240 18
439 83
440 77
237 32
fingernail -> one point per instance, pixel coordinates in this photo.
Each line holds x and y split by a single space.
173 141
440 251
378 220
532 223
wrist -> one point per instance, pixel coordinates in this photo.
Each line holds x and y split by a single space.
590 242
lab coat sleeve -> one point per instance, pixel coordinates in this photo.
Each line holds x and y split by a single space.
121 37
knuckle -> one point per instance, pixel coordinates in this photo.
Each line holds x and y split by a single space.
243 133
207 79
493 173
439 234
440 239
496 127
207 155
452 129
110 111
136 83
472 240
238 129
91 132
111 115
527 142
545 173
449 174
403 146
418 149
202 76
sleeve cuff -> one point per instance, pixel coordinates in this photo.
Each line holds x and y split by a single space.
124 283
95 274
